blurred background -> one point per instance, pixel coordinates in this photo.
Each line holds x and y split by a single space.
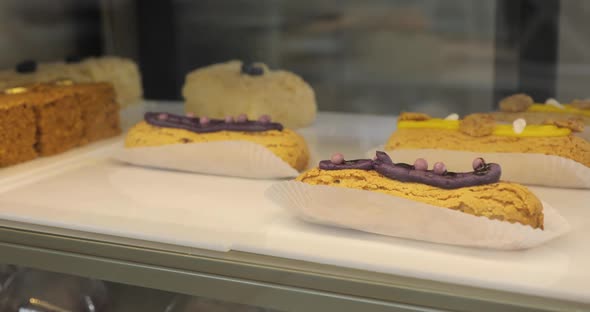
373 56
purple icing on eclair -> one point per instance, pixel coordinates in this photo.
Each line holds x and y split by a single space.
490 173
383 157
483 173
361 164
206 125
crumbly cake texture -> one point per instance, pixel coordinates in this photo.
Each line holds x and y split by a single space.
574 124
286 144
123 74
581 104
58 118
100 111
538 117
222 90
55 119
515 106
499 201
17 132
516 103
571 146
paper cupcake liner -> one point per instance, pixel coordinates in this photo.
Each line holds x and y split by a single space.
227 158
532 169
394 216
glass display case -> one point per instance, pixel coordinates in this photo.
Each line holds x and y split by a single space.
92 233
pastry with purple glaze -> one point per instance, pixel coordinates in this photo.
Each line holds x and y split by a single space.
479 192
159 129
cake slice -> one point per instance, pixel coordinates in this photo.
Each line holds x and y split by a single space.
100 110
17 132
58 117
98 106
123 74
54 118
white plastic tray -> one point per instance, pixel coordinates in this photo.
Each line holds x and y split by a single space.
83 190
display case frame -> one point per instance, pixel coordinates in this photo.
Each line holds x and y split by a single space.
247 278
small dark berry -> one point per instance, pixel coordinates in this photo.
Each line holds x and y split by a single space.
28 66
73 59
252 70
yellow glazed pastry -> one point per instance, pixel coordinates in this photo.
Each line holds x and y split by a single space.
523 106
285 143
479 133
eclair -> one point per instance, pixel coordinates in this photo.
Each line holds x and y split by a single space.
483 134
158 129
479 192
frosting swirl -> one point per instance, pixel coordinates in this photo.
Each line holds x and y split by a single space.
483 173
205 125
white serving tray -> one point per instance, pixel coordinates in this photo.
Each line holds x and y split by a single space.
84 190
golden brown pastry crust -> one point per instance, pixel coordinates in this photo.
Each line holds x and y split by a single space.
571 146
48 119
286 144
100 110
581 104
413 116
57 116
574 124
501 201
477 125
516 103
70 115
537 118
17 132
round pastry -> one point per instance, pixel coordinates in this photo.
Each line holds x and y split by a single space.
164 129
234 87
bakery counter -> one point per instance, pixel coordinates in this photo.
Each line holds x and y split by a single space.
85 214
